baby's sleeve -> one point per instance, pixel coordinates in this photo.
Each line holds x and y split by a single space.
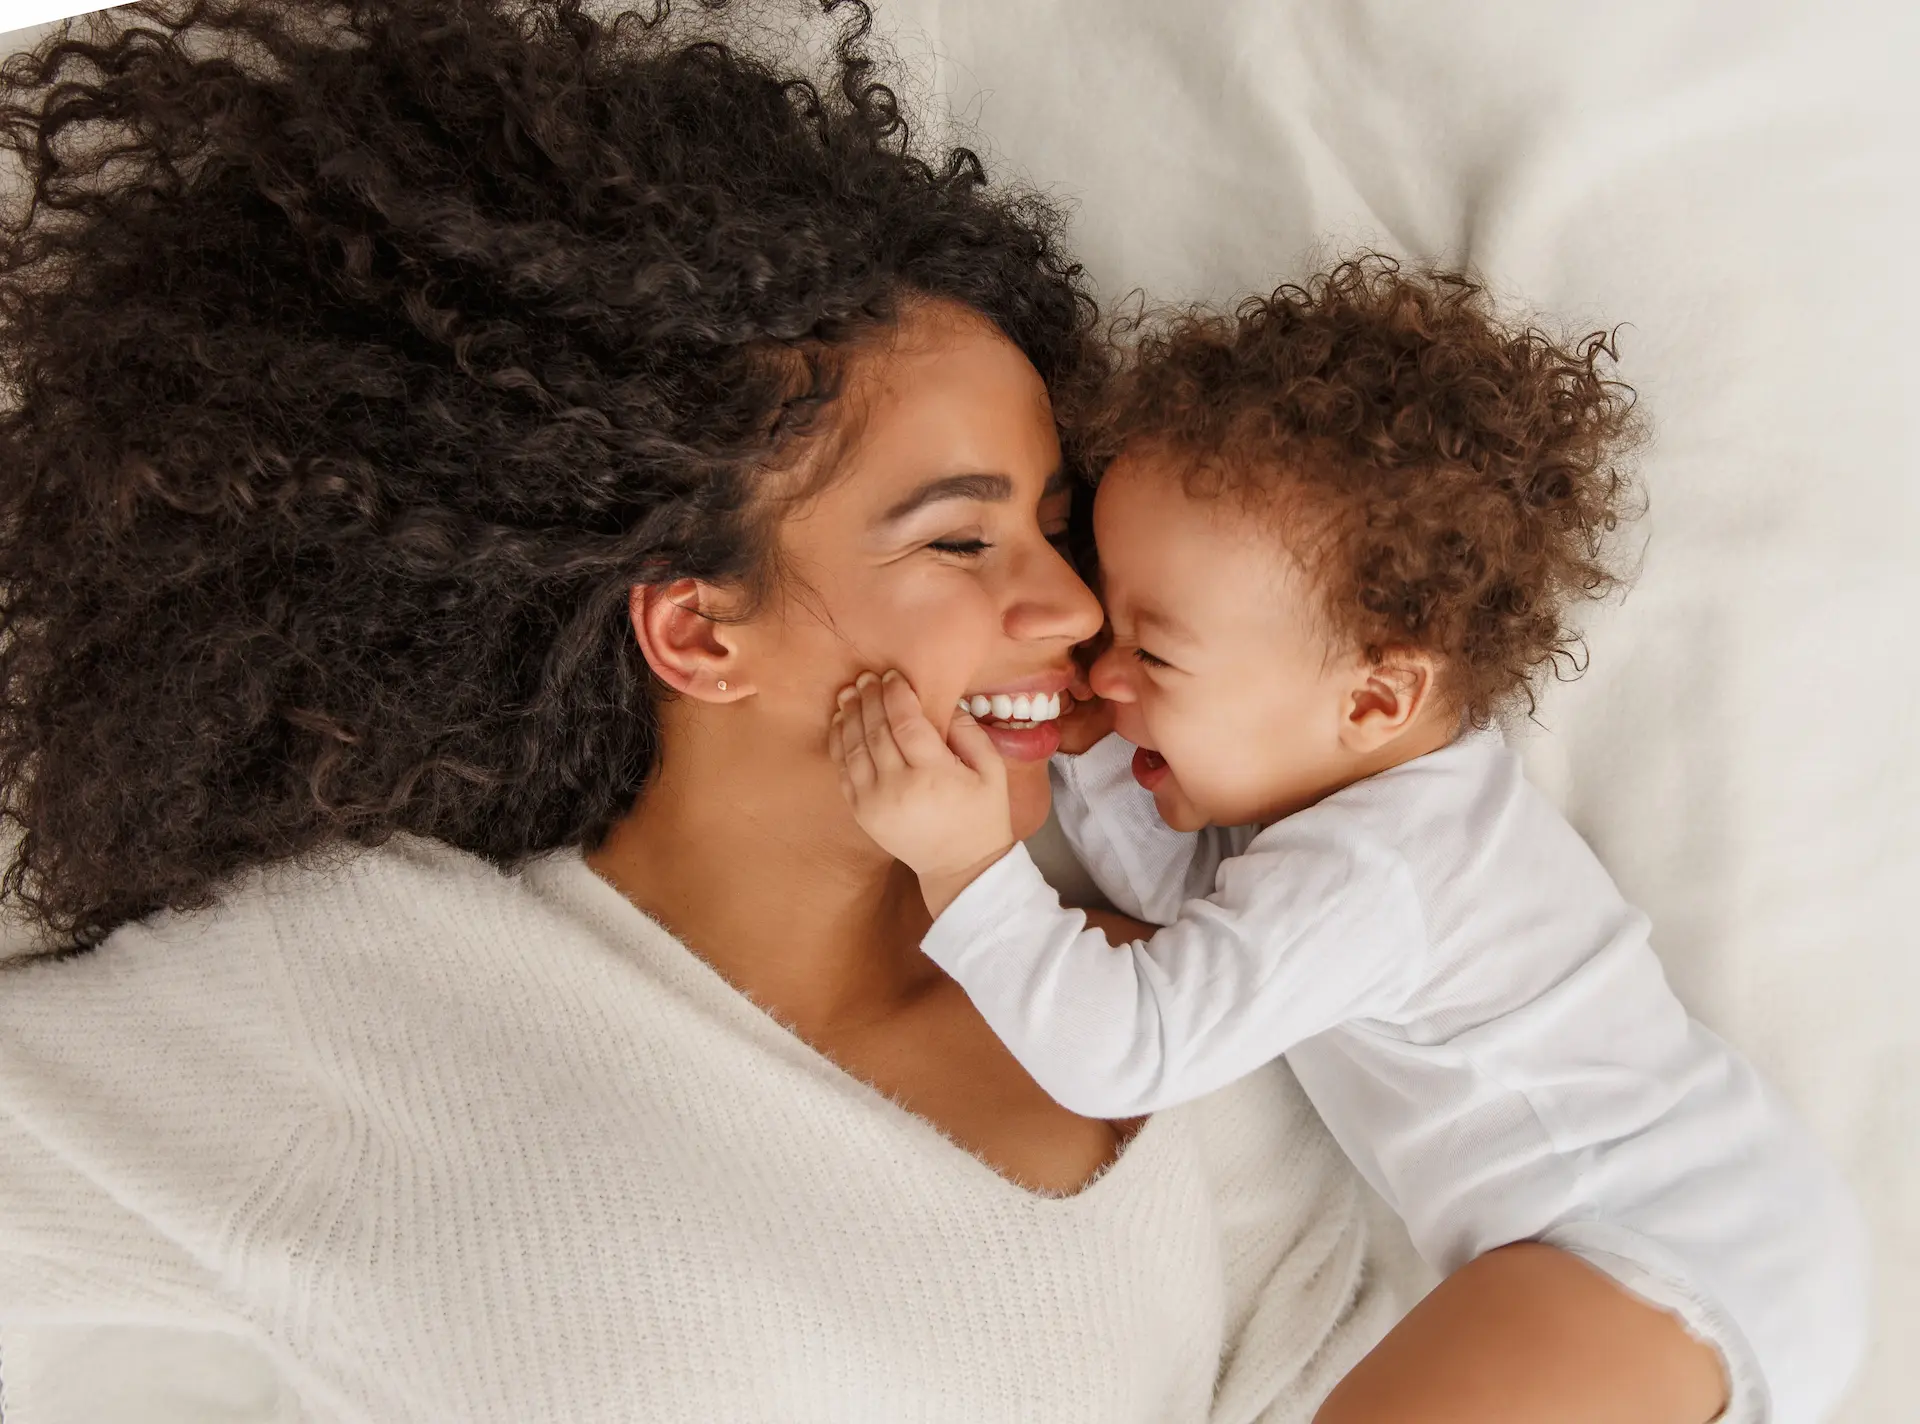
1296 938
1142 865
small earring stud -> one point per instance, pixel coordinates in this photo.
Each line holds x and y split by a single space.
721 684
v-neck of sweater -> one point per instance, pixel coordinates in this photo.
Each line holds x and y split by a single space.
565 878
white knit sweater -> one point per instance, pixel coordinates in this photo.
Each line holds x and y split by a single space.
433 1143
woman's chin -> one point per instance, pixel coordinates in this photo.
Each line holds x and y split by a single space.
1029 796
1025 751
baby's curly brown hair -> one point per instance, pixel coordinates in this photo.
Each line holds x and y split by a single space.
1450 481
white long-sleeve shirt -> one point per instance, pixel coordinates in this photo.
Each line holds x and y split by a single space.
1478 1015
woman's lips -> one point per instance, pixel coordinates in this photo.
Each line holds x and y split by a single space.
1149 768
1038 738
1035 743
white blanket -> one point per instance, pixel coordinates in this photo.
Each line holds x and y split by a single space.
1735 180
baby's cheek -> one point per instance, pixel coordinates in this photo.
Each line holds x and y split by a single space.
1212 772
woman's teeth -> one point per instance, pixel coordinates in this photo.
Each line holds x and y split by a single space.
1021 710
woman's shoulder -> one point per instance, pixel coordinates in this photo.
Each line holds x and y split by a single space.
230 1003
406 877
352 889
180 1093
409 897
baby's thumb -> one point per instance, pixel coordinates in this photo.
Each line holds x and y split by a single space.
969 741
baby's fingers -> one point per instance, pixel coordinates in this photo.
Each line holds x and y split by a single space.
849 744
970 742
837 753
879 731
919 743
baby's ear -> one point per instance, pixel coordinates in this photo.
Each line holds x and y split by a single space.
1389 693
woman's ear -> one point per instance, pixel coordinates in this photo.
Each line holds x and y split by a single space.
1388 696
686 633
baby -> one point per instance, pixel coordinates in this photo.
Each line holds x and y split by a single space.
1339 532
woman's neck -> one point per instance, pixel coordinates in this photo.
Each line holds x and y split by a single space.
754 862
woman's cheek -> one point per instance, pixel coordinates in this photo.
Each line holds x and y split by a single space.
944 645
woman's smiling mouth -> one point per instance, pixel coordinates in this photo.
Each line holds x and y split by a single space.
1024 726
1017 710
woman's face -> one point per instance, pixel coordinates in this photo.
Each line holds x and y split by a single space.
935 548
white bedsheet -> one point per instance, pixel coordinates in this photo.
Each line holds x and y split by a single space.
1733 179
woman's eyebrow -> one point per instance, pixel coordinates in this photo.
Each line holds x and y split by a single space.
994 489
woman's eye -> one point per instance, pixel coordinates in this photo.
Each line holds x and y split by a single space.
1148 659
966 548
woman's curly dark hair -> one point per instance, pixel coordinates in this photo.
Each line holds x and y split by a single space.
1448 480
361 355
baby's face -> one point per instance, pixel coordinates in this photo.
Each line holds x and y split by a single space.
1221 670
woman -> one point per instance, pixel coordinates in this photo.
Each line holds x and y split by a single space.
458 450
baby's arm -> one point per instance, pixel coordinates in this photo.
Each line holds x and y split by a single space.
1293 943
1297 938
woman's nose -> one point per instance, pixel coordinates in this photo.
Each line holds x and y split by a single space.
1108 678
1054 604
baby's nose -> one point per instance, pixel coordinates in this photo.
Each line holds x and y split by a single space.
1107 678
1084 657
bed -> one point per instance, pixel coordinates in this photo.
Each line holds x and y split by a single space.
1734 183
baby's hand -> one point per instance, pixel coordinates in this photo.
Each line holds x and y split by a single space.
940 806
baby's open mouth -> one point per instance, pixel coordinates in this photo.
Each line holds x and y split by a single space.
1017 711
1149 767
